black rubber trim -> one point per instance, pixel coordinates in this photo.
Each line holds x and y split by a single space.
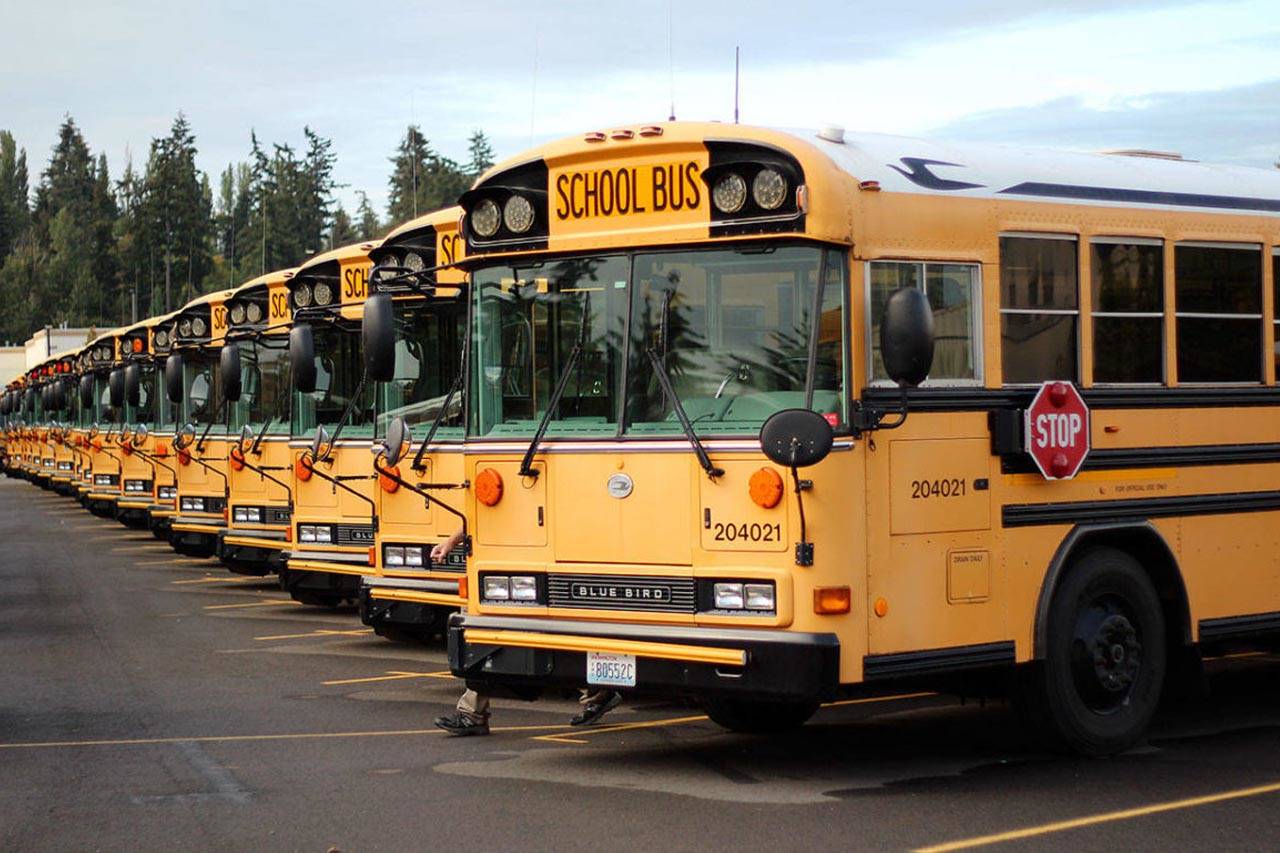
1158 457
937 661
1239 627
986 399
1137 509
1080 192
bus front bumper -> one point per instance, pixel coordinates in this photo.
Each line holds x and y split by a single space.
328 572
406 602
256 552
502 654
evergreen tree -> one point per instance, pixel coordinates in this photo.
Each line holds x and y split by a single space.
481 154
343 230
21 280
103 258
367 225
67 182
177 216
421 180
15 213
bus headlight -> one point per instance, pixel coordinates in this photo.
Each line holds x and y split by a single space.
760 596
323 294
237 314
393 556
184 329
413 557
524 588
496 588
162 338
198 327
517 213
254 312
728 596
302 295
486 218
414 262
769 189
729 193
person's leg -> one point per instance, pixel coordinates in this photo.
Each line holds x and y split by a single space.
595 704
472 717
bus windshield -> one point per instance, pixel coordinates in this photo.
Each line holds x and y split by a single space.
731 328
428 358
264 384
203 390
339 366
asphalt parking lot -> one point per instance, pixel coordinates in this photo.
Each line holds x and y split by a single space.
151 701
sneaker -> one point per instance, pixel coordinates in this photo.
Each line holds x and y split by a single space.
460 725
595 710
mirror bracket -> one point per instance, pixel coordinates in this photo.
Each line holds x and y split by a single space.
870 418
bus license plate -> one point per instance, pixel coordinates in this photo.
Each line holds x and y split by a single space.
612 670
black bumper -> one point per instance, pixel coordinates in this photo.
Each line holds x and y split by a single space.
781 665
328 583
404 615
246 559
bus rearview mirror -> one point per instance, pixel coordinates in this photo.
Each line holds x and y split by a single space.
302 358
378 335
86 391
906 337
397 443
133 384
173 377
115 385
229 371
796 438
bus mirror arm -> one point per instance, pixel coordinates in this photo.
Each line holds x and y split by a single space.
804 548
337 482
870 419
422 491
262 472
154 461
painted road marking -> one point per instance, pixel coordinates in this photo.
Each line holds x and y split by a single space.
151 741
392 675
674 721
1105 817
217 579
323 632
275 602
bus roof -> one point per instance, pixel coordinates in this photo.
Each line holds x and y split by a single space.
342 253
436 218
268 279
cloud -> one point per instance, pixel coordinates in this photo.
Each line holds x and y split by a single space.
1236 125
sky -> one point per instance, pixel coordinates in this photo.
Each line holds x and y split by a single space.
1201 78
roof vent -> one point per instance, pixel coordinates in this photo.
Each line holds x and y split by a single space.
832 133
1142 152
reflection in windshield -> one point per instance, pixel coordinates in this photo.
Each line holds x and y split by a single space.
339 367
428 358
264 384
731 328
203 391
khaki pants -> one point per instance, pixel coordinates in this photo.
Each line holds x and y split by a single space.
475 706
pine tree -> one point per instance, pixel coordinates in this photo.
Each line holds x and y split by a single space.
177 214
481 154
15 213
367 225
342 232
421 180
103 257
67 182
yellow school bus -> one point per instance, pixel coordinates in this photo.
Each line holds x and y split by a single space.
42 451
202 442
414 330
62 406
665 315
104 366
331 431
148 471
84 416
255 379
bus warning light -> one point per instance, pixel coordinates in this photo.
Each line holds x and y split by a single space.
831 600
766 488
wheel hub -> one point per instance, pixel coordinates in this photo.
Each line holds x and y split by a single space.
1117 653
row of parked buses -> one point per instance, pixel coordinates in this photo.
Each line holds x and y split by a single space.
757 418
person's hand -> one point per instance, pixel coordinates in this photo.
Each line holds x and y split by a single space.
439 552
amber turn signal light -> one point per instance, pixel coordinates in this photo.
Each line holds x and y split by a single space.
302 468
831 600
236 458
488 487
462 587
389 485
766 488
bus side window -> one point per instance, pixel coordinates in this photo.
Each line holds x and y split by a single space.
1039 307
955 297
1218 293
1128 309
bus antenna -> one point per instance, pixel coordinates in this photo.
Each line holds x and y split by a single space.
737 50
671 66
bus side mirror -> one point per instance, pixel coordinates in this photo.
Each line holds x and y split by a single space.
133 384
906 337
397 443
378 334
86 391
796 438
229 371
115 384
173 368
302 358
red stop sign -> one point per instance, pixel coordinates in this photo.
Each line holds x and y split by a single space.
1057 430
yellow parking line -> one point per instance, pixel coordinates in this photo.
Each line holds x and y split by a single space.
323 632
214 579
1106 817
272 603
62 744
874 699
392 675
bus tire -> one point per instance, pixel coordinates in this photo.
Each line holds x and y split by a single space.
759 717
1105 657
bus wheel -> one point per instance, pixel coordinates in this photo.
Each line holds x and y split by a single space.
1104 665
752 717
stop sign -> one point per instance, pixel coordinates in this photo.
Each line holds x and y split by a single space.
1057 430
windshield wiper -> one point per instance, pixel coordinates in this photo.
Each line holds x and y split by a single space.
667 388
526 464
441 415
342 422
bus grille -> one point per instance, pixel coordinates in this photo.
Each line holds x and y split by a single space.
622 592
353 534
276 515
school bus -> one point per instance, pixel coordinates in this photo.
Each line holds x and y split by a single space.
62 405
254 372
104 392
331 429
202 442
417 314
665 315
42 446
148 473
